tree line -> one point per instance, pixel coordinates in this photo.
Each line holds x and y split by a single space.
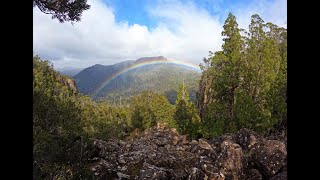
245 84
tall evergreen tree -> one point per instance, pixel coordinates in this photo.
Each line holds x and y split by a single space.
244 85
182 93
225 72
186 114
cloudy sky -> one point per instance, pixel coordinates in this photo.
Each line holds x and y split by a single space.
115 30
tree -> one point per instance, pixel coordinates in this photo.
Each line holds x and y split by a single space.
183 93
186 114
277 96
225 75
150 108
229 78
261 72
58 136
244 85
63 10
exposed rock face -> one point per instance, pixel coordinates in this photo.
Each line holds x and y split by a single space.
69 82
161 153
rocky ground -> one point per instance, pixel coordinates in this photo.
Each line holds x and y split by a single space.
162 153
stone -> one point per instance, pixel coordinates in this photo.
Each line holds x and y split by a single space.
270 156
162 153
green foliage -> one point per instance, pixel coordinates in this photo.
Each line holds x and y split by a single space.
102 120
63 10
58 138
150 108
244 85
186 114
63 121
183 93
213 123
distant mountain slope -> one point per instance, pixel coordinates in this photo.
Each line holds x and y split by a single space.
70 71
129 78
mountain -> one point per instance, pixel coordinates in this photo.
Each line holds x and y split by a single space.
149 59
129 78
70 71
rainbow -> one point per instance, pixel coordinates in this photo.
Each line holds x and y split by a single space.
137 65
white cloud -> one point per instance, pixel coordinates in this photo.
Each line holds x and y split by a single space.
274 11
184 32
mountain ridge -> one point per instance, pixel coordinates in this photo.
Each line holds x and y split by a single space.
131 77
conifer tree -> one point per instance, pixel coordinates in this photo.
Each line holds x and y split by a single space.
186 114
244 84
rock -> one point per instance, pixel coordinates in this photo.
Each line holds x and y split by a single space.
270 156
184 139
202 148
247 138
204 144
104 148
218 176
123 176
151 172
103 169
280 176
161 159
195 174
161 153
161 141
253 174
69 82
230 160
278 132
175 140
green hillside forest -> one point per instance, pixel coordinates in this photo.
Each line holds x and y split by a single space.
162 78
242 86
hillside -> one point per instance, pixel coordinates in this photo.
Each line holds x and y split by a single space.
130 78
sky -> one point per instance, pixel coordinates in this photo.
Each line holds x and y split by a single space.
112 31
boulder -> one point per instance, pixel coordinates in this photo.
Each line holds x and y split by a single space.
270 156
280 176
162 153
230 160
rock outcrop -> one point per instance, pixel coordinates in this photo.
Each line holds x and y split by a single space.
162 153
67 81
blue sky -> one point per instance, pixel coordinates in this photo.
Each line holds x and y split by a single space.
117 30
136 11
